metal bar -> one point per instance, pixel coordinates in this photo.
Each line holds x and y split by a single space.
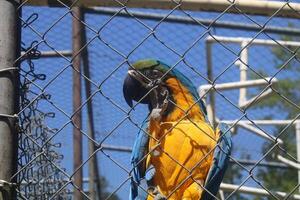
254 191
195 21
243 71
221 193
77 121
94 174
211 105
261 122
9 51
116 148
50 54
288 162
253 41
255 7
297 127
259 132
257 98
237 85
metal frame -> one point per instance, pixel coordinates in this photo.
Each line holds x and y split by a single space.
243 102
193 21
252 41
257 7
254 191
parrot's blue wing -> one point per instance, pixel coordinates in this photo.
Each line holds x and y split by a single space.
220 162
138 162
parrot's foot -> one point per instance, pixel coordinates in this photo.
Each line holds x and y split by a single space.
156 114
157 195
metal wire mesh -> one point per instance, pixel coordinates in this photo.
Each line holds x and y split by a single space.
116 37
39 176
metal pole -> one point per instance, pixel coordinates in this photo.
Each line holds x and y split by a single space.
263 42
243 72
194 21
94 175
256 98
259 132
236 85
288 162
9 51
261 122
255 7
76 119
297 127
255 191
211 106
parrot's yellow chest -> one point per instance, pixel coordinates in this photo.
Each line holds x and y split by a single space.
182 153
181 146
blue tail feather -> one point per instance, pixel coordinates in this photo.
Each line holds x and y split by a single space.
220 163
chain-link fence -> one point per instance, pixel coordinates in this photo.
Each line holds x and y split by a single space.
76 132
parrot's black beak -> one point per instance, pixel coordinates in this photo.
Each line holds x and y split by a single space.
133 89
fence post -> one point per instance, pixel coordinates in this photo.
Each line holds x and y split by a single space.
77 121
9 51
94 174
297 129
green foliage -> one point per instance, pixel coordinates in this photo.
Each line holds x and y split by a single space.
279 179
234 176
288 88
283 101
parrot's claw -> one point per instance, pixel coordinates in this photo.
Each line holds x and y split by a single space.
159 197
156 114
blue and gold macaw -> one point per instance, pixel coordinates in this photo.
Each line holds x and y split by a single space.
177 153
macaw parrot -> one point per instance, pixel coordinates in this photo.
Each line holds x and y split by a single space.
177 154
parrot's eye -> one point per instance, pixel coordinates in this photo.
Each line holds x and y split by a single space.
156 73
152 74
147 73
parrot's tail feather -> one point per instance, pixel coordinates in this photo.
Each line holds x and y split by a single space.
220 163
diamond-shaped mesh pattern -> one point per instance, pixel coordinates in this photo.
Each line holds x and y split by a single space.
246 69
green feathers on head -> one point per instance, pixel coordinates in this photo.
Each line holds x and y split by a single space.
145 64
